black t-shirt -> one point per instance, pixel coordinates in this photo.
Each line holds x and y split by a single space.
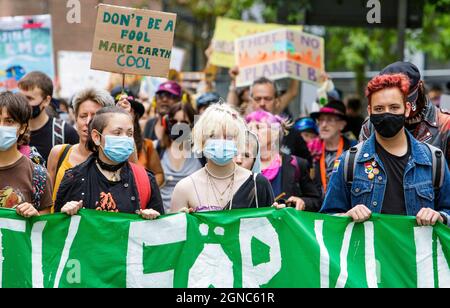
42 139
394 196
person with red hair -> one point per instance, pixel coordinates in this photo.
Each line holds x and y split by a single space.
391 172
426 122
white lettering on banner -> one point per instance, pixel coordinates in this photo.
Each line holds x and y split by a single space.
343 275
73 230
324 256
423 237
261 229
443 268
370 260
170 230
13 225
36 254
371 265
211 268
25 48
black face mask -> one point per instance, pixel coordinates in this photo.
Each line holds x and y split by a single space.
388 124
36 111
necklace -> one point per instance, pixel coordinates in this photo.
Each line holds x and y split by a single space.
108 167
218 177
116 174
218 195
221 195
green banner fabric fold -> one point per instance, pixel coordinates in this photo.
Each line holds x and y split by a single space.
265 248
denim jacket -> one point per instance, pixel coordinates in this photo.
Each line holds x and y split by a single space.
434 129
418 183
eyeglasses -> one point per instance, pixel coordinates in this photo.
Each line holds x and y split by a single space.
119 96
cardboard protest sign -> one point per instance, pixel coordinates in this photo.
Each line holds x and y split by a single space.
26 45
279 54
133 41
74 73
228 30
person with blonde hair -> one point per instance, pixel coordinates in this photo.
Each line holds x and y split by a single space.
220 134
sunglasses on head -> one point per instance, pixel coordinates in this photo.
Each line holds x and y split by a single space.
128 98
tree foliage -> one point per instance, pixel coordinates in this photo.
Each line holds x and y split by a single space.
353 49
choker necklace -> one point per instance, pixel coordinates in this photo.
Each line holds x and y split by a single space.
218 177
108 167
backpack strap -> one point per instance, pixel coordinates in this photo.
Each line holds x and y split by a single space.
58 131
350 162
142 184
39 180
63 156
438 162
255 175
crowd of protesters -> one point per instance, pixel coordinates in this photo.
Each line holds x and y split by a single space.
115 150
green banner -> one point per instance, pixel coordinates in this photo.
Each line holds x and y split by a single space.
233 249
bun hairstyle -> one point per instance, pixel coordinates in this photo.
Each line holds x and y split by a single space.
100 121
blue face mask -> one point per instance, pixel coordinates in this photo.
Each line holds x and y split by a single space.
220 151
8 137
118 149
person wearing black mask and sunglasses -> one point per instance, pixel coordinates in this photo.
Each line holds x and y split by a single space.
177 158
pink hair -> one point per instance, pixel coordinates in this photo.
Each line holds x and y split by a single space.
262 116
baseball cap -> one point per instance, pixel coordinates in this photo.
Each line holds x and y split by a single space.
409 70
171 87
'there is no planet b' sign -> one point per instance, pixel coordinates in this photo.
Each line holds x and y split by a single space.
133 41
